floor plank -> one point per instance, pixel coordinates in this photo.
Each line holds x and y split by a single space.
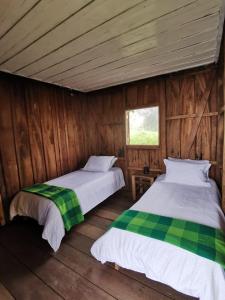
118 284
20 281
68 284
106 213
4 293
89 230
99 222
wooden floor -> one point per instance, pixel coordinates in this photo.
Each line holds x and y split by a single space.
30 270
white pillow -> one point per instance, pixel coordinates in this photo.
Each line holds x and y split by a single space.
113 162
186 173
192 161
98 163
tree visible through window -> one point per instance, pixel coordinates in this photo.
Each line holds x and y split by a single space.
142 126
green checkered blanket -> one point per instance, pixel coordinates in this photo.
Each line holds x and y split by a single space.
200 239
65 199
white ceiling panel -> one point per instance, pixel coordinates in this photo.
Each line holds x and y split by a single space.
88 45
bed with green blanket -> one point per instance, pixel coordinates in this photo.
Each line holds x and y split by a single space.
65 199
174 234
202 240
61 203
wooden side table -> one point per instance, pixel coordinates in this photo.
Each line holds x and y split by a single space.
141 180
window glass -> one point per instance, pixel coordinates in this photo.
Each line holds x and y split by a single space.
142 126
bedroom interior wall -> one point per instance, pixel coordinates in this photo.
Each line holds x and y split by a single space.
191 125
41 133
45 132
221 115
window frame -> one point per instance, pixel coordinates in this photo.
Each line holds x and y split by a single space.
127 129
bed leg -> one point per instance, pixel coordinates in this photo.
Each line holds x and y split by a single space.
117 267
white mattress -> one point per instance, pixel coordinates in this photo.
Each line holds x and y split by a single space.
161 261
91 188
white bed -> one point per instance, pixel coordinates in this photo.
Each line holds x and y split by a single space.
161 261
91 188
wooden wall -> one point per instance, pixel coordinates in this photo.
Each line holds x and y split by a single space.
41 132
45 132
189 120
221 93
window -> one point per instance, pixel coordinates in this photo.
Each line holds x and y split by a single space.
142 126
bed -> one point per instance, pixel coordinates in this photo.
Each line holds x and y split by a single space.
91 189
184 271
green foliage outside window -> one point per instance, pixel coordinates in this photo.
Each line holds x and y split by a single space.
143 126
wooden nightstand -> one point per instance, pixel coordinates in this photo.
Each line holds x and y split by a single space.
140 182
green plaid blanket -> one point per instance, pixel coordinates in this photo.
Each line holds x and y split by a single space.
200 239
65 199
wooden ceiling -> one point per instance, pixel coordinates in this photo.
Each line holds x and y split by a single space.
88 45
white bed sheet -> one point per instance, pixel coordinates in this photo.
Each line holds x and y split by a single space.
161 261
91 188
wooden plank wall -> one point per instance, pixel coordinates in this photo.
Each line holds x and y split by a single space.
221 93
46 132
189 120
41 133
193 137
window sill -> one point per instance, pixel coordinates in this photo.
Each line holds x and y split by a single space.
143 147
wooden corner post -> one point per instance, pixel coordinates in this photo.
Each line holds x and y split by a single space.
2 217
222 111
